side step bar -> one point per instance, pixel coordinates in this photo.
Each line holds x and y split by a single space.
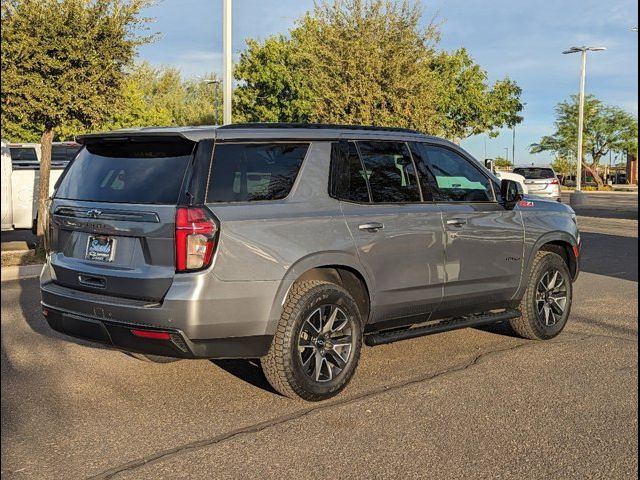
445 325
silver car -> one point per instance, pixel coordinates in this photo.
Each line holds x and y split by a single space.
541 181
296 244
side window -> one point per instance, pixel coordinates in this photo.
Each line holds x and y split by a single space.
390 171
245 172
348 174
456 179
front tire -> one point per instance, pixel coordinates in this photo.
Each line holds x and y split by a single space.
316 347
546 303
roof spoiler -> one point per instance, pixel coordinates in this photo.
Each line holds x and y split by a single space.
137 136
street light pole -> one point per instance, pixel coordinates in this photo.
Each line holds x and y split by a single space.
583 70
513 147
576 197
227 74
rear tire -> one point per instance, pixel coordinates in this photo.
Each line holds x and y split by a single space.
316 347
546 304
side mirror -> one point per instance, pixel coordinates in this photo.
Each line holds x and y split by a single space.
488 162
511 193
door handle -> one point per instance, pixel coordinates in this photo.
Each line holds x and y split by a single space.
371 226
456 222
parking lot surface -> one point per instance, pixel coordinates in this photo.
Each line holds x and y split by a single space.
475 403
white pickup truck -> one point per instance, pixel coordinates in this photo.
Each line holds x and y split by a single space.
20 177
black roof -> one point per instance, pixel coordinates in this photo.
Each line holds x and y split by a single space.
328 126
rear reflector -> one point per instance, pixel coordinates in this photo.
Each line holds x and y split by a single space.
152 334
576 251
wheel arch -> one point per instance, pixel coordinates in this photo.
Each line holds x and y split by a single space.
562 243
340 268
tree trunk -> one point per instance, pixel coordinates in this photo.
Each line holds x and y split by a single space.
592 169
43 190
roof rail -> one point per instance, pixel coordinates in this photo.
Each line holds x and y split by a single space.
316 125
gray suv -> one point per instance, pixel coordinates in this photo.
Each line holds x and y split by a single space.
296 244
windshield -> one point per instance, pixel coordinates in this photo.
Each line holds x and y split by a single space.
535 173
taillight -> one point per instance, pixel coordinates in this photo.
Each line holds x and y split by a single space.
554 182
195 239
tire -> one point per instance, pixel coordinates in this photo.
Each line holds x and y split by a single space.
544 314
306 337
152 358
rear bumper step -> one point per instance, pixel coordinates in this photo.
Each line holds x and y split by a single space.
374 339
154 341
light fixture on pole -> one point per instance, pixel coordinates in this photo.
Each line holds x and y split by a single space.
576 197
216 85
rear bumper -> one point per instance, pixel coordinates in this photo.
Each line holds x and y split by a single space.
210 317
119 335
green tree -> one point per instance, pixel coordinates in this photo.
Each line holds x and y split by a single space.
467 105
501 162
158 96
564 166
606 128
368 61
63 62
273 87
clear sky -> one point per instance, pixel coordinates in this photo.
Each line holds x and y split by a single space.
521 39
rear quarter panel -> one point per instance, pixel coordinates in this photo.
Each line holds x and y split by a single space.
277 241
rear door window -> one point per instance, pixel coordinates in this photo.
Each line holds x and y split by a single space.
390 171
350 175
247 172
128 172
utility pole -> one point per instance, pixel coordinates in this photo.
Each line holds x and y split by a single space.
576 197
227 67
513 147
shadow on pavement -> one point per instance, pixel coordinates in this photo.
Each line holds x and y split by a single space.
610 255
32 311
588 211
248 371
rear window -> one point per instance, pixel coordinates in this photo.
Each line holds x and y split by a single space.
24 157
535 173
128 172
244 172
61 155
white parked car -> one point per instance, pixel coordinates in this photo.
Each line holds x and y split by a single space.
488 162
20 178
541 181
514 177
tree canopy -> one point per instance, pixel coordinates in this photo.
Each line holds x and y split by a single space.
370 62
63 62
606 128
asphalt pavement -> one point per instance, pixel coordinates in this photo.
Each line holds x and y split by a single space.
473 403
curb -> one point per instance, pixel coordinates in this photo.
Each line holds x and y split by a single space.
603 192
20 272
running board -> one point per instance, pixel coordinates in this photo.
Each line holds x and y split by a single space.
445 325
